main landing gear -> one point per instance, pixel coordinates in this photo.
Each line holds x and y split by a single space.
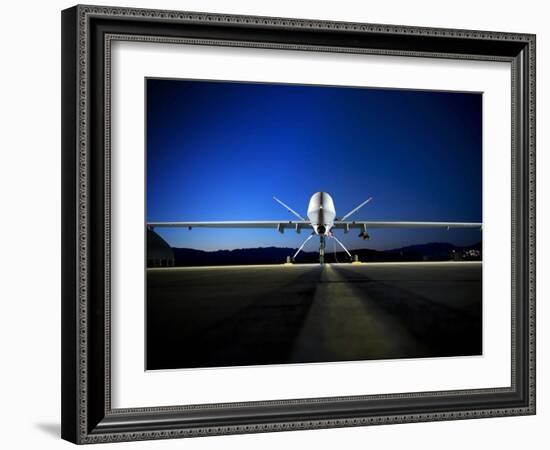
322 247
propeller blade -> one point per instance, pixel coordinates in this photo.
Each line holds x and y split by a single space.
341 245
288 208
302 246
354 210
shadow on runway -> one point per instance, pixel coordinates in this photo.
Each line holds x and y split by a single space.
261 331
442 329
217 317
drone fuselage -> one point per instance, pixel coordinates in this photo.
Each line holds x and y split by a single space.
321 213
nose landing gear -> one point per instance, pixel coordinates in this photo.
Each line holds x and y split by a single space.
322 244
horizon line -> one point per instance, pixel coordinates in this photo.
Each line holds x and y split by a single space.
315 251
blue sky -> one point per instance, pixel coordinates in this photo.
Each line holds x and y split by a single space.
221 150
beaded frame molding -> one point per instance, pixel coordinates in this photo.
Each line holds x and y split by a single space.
87 34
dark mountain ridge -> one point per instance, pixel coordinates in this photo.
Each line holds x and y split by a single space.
433 251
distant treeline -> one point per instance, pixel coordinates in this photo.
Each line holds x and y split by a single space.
435 251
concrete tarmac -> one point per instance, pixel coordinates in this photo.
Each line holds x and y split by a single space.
276 314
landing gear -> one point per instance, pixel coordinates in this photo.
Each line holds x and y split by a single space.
322 245
322 249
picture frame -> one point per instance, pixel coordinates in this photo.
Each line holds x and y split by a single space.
87 413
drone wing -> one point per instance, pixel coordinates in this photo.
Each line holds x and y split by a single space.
279 225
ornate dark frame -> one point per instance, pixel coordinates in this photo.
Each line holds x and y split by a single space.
87 33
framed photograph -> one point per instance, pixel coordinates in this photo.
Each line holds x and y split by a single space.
277 224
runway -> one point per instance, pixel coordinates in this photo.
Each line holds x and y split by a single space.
253 315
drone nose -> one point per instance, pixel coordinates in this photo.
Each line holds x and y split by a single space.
321 229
